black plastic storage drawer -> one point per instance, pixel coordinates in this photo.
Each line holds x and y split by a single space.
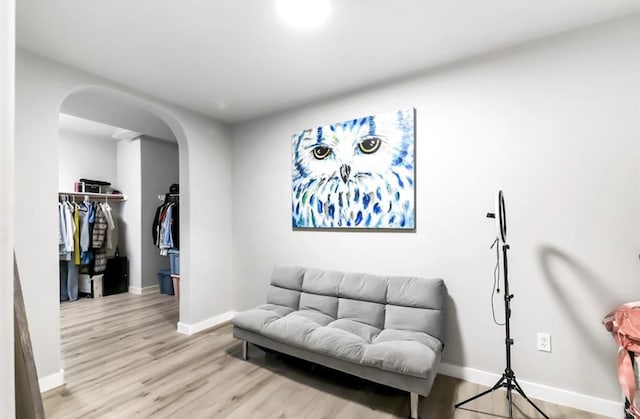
116 276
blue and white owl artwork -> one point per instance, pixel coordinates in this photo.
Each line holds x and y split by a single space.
356 174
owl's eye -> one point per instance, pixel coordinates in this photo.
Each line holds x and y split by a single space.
321 152
369 145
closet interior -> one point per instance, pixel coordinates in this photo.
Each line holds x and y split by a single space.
90 263
113 237
166 237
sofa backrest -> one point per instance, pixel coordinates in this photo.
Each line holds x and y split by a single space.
385 302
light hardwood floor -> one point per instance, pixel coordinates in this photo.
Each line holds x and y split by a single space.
123 358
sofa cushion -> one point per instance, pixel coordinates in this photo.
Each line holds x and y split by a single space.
336 342
322 303
416 292
361 311
393 335
414 319
287 277
258 318
364 287
283 297
319 281
404 352
296 327
313 316
363 331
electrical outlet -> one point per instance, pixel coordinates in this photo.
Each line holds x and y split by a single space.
544 342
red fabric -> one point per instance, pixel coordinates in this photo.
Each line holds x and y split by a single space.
624 325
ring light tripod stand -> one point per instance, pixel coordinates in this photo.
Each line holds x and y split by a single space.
508 379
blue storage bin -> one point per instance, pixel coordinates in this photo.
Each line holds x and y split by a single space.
165 282
174 261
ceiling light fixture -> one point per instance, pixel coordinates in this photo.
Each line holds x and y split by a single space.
303 14
125 134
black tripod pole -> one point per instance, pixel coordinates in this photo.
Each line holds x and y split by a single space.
508 379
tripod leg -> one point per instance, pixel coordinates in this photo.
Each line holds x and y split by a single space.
495 387
521 391
510 401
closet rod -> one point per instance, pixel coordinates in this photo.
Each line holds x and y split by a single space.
95 196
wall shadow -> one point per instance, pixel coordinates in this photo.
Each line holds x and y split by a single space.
551 257
453 350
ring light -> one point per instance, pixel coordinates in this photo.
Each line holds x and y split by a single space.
501 217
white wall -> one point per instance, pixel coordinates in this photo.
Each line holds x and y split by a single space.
84 156
205 153
7 78
205 221
555 125
129 176
159 171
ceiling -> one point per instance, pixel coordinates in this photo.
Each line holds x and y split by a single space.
236 60
71 123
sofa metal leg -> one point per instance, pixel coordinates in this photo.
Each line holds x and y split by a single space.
245 350
414 405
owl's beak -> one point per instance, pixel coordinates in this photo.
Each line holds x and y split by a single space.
345 170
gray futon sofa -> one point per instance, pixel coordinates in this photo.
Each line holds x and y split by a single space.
385 329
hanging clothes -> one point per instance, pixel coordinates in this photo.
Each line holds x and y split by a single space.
85 235
99 242
76 234
175 225
62 249
68 279
70 226
87 218
98 236
111 225
166 225
66 230
165 240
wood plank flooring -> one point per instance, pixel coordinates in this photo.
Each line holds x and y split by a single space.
123 358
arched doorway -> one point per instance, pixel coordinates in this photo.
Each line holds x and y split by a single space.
103 136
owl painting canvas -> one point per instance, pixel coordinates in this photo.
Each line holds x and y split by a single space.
358 173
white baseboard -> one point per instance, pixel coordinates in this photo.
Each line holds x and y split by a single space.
190 329
539 391
144 290
51 381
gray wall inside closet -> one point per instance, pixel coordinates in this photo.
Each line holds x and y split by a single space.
159 165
